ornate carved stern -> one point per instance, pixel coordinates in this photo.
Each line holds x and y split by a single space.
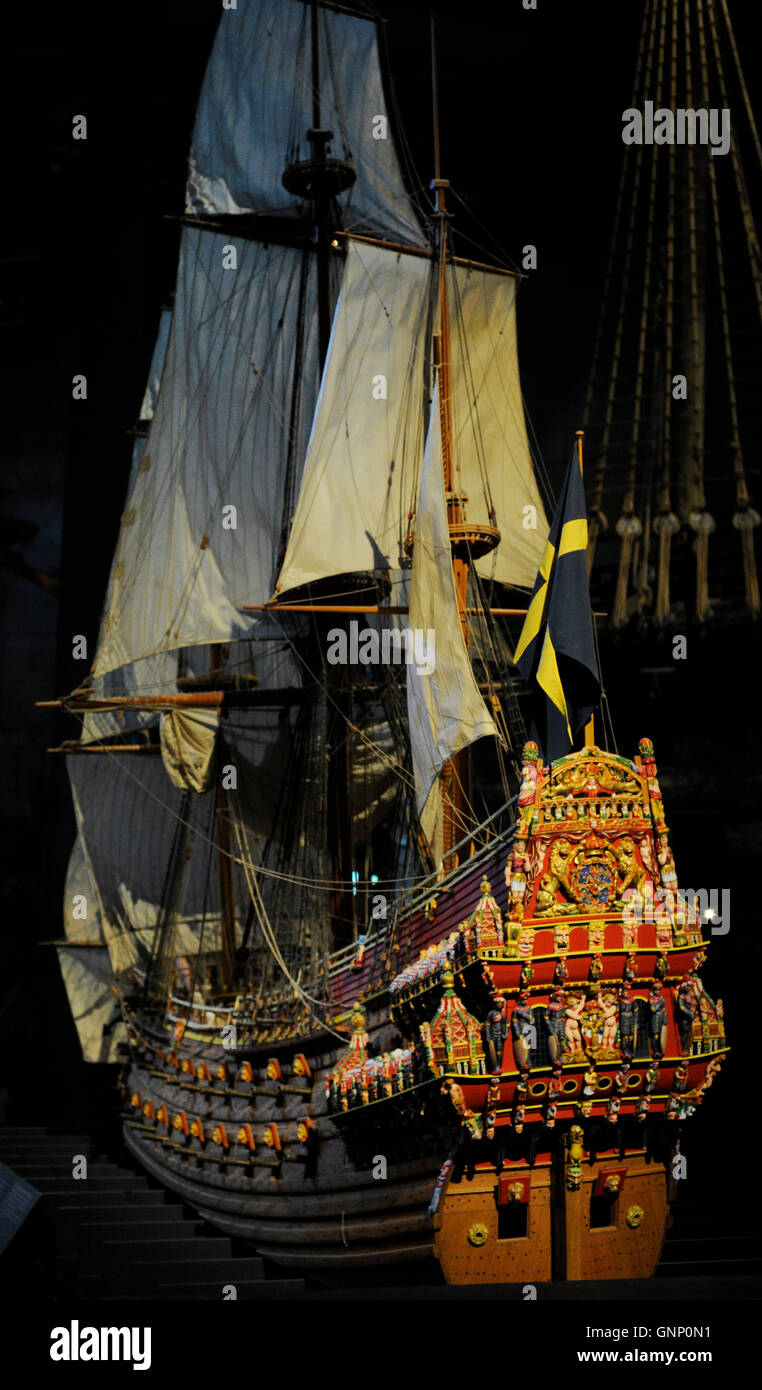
599 1037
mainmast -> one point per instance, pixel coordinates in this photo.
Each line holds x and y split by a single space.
320 179
467 543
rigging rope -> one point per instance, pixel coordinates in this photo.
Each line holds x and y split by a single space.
665 523
629 527
597 520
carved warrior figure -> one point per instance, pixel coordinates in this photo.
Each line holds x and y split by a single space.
522 1028
555 1084
658 1018
622 1077
680 1079
686 1009
555 1019
627 1020
495 1033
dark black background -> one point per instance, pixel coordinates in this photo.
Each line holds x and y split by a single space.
531 140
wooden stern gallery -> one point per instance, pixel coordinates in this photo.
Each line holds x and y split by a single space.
525 1225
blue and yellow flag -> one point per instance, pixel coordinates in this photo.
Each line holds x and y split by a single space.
556 650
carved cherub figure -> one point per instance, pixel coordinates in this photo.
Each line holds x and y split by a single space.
573 1016
610 1014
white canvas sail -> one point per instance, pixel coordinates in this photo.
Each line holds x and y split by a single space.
368 432
151 393
490 450
157 674
446 712
185 563
86 968
127 816
256 107
365 448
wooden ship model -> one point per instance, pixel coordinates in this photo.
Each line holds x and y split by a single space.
364 1023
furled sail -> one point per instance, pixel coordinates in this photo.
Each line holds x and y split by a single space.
445 709
85 967
256 106
368 432
365 448
201 530
188 746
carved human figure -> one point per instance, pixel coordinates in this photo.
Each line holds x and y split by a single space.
609 1012
647 855
555 1017
680 1079
455 1093
522 1029
573 1016
589 1081
666 863
657 1008
530 773
627 1020
495 1033
555 1084
622 1077
651 1079
516 873
686 1009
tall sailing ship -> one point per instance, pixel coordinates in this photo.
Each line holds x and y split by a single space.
390 983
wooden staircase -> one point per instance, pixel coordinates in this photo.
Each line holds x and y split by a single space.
116 1234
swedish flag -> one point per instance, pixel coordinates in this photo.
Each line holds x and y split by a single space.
556 649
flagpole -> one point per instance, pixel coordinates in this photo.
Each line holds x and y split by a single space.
590 725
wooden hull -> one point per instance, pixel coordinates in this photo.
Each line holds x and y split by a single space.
480 1241
520 1107
302 1206
318 1230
